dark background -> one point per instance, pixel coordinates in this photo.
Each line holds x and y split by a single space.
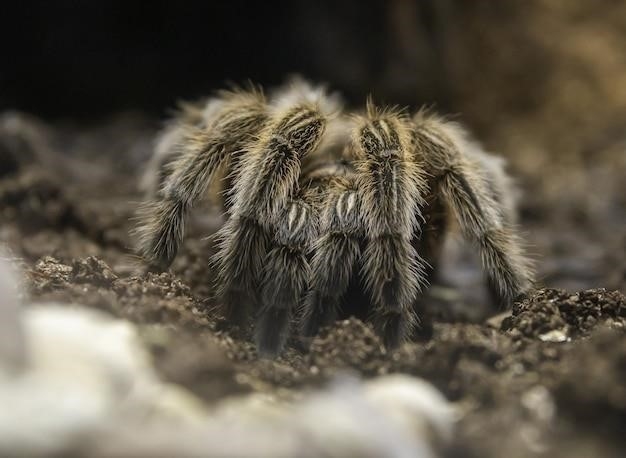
542 82
84 59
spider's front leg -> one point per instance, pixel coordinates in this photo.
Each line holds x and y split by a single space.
203 152
263 189
393 187
473 190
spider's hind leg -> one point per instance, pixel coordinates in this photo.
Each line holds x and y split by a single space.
501 189
475 192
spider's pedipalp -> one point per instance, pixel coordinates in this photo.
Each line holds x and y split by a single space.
204 149
474 191
286 272
335 254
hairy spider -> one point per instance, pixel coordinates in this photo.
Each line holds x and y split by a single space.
318 201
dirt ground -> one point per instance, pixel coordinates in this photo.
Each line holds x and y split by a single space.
544 379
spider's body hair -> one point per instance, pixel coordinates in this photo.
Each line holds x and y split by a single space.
323 208
216 145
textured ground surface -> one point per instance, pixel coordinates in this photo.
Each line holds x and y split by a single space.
546 378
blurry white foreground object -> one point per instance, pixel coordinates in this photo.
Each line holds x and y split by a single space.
12 343
84 370
393 416
415 404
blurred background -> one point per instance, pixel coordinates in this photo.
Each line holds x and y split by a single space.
542 82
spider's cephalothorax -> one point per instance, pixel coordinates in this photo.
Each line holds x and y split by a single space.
318 201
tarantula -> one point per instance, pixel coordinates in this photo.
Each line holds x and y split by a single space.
318 201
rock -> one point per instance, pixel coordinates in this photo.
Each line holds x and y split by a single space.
393 416
92 270
496 321
556 335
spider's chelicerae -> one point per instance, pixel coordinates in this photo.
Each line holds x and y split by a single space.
318 201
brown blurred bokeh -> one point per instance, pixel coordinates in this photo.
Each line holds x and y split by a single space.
541 82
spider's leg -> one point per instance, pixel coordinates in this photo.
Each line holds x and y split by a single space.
242 245
335 254
167 145
430 240
394 275
472 193
204 151
285 274
503 192
393 187
266 183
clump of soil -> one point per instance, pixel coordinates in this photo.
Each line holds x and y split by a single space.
557 314
586 386
153 298
347 345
